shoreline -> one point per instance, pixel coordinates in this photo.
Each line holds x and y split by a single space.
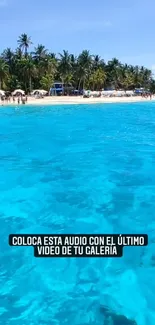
67 100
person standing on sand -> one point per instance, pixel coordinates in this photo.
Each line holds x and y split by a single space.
2 99
23 100
18 100
14 99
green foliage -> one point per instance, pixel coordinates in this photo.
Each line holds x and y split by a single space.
4 72
24 42
97 79
46 82
32 70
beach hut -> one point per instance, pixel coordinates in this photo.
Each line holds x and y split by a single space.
57 89
139 91
18 92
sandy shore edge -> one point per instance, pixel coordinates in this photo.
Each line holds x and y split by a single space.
66 100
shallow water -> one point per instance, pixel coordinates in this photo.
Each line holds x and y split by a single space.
80 169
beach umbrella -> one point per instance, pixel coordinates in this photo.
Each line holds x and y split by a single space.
18 92
44 92
39 91
2 92
36 91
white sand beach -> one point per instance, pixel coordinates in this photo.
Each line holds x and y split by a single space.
66 100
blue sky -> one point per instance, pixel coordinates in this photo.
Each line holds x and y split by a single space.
122 29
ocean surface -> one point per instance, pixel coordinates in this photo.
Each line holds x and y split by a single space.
77 169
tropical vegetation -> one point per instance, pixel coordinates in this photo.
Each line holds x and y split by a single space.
39 68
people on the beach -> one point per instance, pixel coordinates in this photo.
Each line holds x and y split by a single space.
146 95
8 99
2 100
23 100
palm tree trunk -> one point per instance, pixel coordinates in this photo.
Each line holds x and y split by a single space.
30 84
25 51
83 82
62 79
79 83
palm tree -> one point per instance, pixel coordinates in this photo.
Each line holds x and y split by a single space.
114 73
97 79
128 80
8 55
4 72
41 68
27 71
152 86
145 75
52 55
47 66
84 67
46 82
65 66
137 77
40 52
18 53
9 58
73 58
24 42
98 62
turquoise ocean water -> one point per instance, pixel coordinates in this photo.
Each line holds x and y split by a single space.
77 169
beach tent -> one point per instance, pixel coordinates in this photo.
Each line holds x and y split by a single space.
95 93
39 92
2 92
119 93
44 92
18 92
108 93
129 92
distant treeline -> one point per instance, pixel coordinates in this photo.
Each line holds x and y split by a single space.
40 68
